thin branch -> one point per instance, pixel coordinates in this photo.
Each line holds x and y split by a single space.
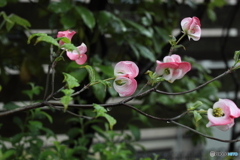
207 136
202 85
24 108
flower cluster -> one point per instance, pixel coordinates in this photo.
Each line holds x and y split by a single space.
172 68
79 55
222 115
125 72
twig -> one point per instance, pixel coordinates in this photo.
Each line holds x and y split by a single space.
207 136
202 85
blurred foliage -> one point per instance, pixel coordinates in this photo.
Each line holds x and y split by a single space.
113 30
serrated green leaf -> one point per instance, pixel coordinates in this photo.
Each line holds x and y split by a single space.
86 15
67 98
145 52
70 80
35 35
99 91
101 112
47 39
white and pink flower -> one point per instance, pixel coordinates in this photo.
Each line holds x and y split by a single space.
172 68
79 55
125 72
69 34
222 115
192 27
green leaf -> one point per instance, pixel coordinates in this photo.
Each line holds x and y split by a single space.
101 112
86 15
195 105
0 88
35 35
7 154
236 56
197 116
19 20
67 98
60 7
47 39
3 3
145 52
99 91
104 17
70 80
107 70
67 21
10 106
135 131
91 72
69 47
140 28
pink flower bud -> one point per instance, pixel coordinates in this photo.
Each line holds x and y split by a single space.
192 27
222 115
125 86
172 68
79 55
69 34
126 69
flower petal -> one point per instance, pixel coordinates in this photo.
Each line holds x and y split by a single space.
82 59
127 87
126 69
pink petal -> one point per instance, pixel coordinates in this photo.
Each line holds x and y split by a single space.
218 121
185 23
234 110
176 58
69 34
82 48
82 59
225 127
160 69
74 55
126 69
128 87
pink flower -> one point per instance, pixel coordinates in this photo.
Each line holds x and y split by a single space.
191 27
125 86
222 115
125 72
172 68
126 69
78 56
69 34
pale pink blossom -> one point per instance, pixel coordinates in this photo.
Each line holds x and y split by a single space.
69 34
79 55
192 27
172 68
125 72
126 69
222 115
125 86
